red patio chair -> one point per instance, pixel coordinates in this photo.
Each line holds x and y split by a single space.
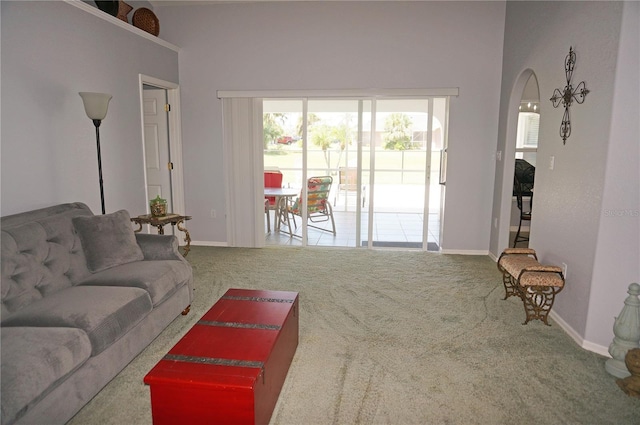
271 179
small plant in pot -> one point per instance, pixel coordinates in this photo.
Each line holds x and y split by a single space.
158 206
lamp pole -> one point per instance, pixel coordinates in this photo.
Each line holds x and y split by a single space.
97 124
96 105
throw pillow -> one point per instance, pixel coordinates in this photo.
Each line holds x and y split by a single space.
107 240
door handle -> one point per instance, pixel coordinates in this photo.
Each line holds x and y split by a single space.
442 178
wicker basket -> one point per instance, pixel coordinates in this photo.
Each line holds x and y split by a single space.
123 11
146 20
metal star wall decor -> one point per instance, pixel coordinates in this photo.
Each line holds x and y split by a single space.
568 96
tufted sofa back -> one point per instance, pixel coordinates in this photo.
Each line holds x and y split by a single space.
41 254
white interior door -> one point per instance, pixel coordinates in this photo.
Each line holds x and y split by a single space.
156 145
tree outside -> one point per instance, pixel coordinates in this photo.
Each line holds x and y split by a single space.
397 132
328 137
272 127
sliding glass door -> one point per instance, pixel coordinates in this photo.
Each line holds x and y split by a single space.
383 156
397 164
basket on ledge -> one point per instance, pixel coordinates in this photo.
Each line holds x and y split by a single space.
146 20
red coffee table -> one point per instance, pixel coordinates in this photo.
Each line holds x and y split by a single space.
230 367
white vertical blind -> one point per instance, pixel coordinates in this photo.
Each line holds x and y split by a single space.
243 151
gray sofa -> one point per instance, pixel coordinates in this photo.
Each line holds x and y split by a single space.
82 295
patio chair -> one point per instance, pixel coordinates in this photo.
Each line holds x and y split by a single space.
348 182
271 179
318 206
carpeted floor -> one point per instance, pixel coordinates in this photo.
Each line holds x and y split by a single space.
394 337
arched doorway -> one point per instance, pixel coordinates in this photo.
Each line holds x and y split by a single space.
525 163
524 90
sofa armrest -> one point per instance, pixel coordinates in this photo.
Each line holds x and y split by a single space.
159 247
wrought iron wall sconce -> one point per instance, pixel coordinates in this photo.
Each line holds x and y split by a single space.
567 96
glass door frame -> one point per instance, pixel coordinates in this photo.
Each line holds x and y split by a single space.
373 170
305 97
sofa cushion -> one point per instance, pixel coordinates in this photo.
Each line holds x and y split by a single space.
105 313
107 240
41 254
159 278
33 360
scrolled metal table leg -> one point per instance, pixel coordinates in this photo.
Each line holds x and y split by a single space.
187 237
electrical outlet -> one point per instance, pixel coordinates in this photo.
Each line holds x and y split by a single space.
499 155
213 213
564 270
495 222
552 162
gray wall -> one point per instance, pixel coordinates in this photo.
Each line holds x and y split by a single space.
569 223
343 45
50 52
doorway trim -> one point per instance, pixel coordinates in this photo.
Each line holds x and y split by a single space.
175 140
509 158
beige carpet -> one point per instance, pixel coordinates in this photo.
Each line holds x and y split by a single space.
393 337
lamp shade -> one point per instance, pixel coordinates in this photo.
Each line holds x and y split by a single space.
95 104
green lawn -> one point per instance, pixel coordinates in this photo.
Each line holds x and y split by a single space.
394 167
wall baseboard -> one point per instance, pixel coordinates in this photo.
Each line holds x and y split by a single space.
465 251
587 345
444 251
208 243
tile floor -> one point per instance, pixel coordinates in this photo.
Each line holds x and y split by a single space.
396 230
400 230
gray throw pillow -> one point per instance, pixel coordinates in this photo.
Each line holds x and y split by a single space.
107 240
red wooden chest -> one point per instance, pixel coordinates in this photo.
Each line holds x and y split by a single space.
230 367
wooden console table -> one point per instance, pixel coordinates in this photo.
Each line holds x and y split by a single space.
159 222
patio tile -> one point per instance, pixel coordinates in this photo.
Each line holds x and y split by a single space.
390 227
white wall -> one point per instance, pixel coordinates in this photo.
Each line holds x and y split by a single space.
567 223
50 52
342 45
617 261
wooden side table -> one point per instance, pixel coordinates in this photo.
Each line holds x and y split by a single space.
159 222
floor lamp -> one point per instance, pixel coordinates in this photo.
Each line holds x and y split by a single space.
96 105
